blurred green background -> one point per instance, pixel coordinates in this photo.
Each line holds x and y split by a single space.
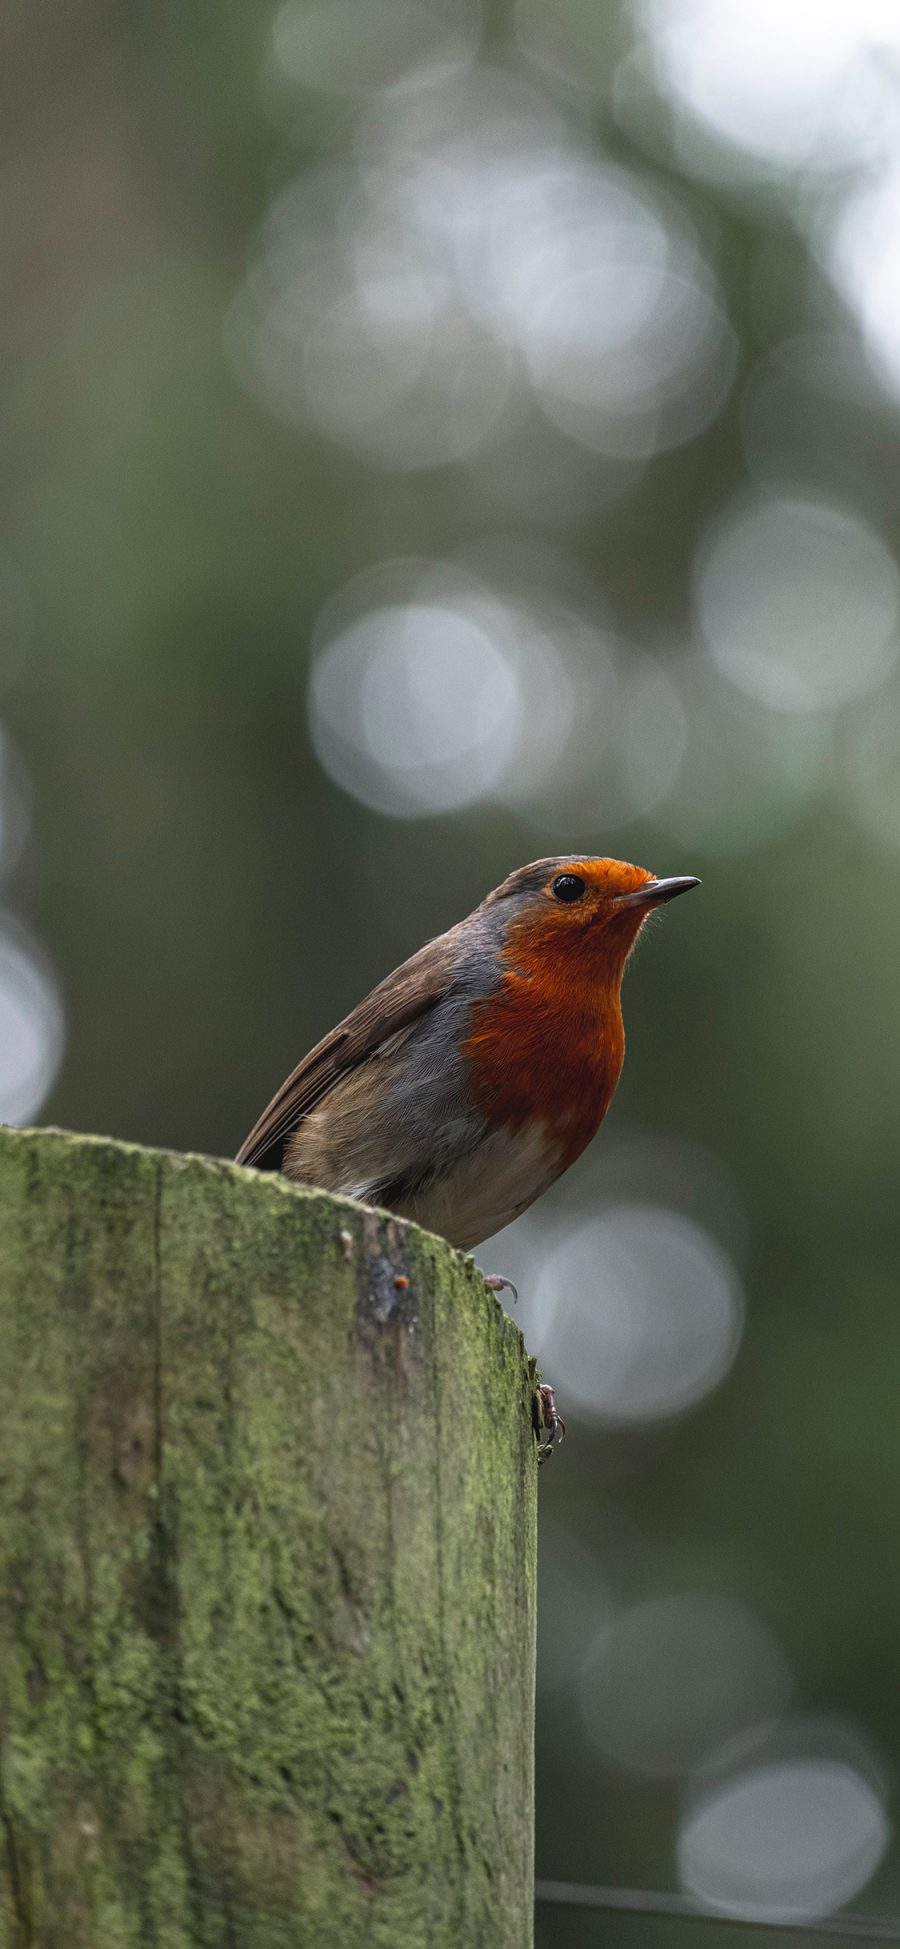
436 435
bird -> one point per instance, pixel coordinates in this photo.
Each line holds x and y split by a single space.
470 1078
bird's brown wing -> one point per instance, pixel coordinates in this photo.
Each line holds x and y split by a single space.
393 1006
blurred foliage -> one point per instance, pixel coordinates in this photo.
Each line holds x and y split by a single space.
211 899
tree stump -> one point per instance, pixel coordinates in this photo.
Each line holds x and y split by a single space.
267 1567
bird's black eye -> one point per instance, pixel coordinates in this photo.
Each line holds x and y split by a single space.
568 887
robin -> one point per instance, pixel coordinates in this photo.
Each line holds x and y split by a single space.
476 1073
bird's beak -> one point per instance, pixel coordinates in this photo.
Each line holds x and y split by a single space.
654 892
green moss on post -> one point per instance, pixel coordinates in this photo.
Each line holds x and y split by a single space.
267 1515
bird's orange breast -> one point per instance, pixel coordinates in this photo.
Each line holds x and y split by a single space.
548 1044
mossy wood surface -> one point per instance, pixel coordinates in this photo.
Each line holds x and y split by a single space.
267 1511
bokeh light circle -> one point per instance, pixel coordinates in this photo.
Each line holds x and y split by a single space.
860 244
471 260
602 287
412 707
669 1677
644 1312
786 1840
31 1025
799 603
793 86
430 691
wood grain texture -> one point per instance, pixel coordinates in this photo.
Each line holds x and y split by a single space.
267 1562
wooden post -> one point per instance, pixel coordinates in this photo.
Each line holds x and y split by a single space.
267 1568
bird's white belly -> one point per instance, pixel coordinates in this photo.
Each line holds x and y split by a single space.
486 1188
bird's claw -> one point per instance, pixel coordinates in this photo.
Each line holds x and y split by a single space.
551 1424
500 1285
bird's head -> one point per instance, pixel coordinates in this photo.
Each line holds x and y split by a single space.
574 908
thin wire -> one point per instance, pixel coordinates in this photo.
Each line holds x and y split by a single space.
681 1908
